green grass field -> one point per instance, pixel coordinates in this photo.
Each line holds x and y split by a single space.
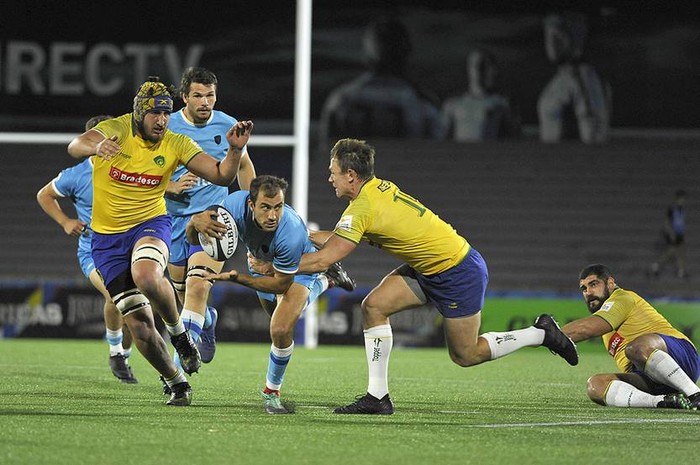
59 404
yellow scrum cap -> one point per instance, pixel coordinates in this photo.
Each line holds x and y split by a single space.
152 95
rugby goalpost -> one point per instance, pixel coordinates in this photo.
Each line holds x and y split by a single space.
299 140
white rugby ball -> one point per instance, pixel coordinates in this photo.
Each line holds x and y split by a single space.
221 249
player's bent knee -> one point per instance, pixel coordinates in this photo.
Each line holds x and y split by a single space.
372 309
638 353
197 284
596 387
282 332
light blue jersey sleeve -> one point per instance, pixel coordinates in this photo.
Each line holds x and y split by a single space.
75 183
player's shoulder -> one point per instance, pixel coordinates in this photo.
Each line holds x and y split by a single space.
115 126
292 228
235 202
174 137
220 117
79 169
292 218
376 188
622 297
176 118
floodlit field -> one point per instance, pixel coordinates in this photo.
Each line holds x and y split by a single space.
59 404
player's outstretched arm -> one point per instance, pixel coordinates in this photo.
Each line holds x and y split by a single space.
318 238
278 283
586 328
334 250
93 143
224 172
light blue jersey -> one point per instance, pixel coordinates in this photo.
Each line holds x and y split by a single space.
283 247
212 138
76 183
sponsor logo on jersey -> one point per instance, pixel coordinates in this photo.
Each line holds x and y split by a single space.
159 160
607 306
136 179
345 223
614 343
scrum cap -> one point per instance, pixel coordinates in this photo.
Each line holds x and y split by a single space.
152 95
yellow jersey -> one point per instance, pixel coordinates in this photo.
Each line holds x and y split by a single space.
394 221
129 188
630 317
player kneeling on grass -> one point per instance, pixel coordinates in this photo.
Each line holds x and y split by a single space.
659 364
276 238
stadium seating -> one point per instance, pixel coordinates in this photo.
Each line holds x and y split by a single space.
538 213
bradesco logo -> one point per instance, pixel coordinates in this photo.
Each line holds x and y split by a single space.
137 179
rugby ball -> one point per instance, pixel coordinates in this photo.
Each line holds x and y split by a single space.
221 249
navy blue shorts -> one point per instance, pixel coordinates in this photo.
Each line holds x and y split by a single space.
685 355
112 252
456 292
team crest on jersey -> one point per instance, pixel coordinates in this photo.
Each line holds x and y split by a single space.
345 223
607 306
159 160
217 139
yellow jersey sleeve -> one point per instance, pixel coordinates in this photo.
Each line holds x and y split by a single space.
390 219
630 317
129 188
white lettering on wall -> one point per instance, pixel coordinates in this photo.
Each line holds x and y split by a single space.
74 68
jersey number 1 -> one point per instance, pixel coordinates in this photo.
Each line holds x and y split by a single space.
410 201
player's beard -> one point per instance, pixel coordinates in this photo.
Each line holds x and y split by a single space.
598 301
152 136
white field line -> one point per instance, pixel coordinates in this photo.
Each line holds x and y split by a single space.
628 421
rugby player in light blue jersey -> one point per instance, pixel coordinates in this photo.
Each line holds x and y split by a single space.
188 263
75 183
276 238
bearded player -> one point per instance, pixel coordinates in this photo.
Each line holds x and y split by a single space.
135 156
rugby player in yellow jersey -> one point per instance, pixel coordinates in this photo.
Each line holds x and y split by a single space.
136 154
440 268
658 364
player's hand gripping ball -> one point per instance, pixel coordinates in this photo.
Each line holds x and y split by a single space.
221 249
